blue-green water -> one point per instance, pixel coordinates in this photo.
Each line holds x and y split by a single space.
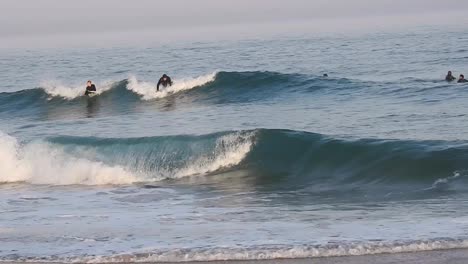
251 154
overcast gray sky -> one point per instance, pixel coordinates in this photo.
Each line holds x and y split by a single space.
20 19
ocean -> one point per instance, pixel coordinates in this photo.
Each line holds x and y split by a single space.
252 154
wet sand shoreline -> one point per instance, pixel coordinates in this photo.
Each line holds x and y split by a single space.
454 256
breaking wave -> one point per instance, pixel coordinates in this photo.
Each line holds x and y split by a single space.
282 158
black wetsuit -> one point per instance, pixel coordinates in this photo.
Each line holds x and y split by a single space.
462 80
450 78
164 81
90 89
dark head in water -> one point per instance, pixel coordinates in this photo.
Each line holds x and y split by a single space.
325 75
449 77
164 81
462 79
90 88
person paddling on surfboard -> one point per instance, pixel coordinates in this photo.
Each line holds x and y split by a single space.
164 81
90 88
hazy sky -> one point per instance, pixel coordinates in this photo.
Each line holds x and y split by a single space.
21 19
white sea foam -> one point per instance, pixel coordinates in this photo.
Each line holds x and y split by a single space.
42 163
11 168
46 163
444 182
230 150
275 252
148 89
56 89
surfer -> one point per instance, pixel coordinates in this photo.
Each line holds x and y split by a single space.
450 77
164 81
90 88
462 79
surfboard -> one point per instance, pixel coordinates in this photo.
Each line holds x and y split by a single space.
91 94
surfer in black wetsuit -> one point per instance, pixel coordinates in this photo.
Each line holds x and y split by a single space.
450 77
164 81
90 88
462 79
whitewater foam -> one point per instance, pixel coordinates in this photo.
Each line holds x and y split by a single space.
269 252
444 182
10 166
148 89
230 150
42 163
55 88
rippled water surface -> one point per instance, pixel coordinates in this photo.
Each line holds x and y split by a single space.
251 154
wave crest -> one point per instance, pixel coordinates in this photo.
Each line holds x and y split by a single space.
55 88
148 89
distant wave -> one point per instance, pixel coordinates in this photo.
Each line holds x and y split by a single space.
57 89
226 85
278 158
148 90
213 88
56 101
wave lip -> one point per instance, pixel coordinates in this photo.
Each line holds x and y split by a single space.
230 150
148 90
219 87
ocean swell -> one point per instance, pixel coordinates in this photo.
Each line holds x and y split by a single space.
282 158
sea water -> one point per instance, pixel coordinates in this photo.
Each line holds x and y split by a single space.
251 154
